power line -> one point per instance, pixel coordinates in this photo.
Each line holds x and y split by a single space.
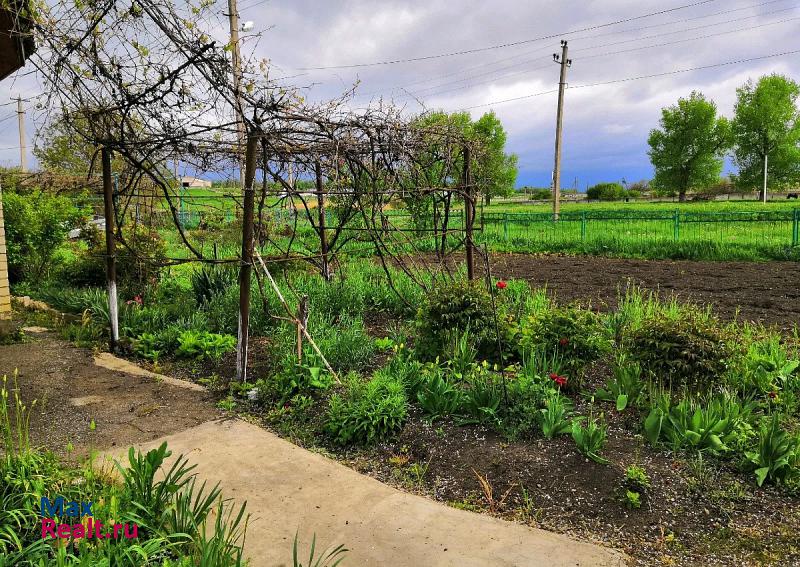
529 52
505 45
636 78
422 92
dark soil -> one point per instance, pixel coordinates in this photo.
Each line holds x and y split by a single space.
71 392
767 293
717 517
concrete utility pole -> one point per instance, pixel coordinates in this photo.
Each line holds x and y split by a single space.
233 17
562 83
111 253
23 150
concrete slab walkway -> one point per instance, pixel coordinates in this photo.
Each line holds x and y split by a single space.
290 489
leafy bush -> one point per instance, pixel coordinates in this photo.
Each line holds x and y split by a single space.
449 311
692 350
606 192
138 262
36 225
292 380
574 335
202 344
366 412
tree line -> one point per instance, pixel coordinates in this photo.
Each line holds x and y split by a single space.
763 138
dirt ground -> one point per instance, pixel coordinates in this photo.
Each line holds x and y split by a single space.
768 293
71 392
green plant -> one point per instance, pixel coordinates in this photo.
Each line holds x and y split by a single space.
573 335
633 499
482 397
689 424
36 225
210 281
554 417
328 558
453 308
202 344
765 367
590 437
438 398
636 478
626 387
778 455
366 412
692 350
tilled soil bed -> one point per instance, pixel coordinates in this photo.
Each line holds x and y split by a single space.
768 293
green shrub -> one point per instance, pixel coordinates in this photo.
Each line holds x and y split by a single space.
437 396
482 397
451 309
36 225
606 192
139 261
290 381
692 350
366 412
765 367
575 335
346 344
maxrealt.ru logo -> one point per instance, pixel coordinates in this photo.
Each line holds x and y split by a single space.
85 526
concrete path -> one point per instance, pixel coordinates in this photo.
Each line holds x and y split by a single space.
290 489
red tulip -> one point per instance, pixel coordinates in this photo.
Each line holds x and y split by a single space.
564 341
501 284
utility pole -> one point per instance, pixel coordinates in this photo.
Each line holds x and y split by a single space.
23 150
233 17
564 62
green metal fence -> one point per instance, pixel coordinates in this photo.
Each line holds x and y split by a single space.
639 229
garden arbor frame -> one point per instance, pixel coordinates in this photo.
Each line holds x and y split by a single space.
168 93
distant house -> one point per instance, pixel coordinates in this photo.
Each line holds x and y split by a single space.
188 182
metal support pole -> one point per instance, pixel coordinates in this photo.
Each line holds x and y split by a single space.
583 226
111 254
764 190
796 227
246 266
676 229
323 236
469 212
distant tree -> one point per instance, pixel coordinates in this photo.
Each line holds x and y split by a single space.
766 129
687 150
62 149
495 171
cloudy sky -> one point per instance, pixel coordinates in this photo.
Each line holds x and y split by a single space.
406 51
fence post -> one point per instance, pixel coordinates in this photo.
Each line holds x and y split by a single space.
677 226
505 226
796 227
583 226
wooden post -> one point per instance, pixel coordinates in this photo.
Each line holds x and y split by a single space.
469 211
323 236
302 321
246 265
111 254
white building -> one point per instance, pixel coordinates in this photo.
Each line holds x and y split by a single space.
188 182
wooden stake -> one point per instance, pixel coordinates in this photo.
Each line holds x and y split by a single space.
246 266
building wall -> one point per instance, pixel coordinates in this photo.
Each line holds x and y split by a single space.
5 292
